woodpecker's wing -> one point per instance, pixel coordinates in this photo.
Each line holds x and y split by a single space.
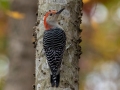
54 42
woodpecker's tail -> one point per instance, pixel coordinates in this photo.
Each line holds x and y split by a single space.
55 79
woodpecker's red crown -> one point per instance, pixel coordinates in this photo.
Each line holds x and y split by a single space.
49 13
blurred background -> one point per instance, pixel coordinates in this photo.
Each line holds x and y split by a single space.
17 63
99 63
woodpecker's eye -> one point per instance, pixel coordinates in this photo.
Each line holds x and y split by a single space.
50 14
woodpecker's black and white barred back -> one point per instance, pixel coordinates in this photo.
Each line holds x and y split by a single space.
54 41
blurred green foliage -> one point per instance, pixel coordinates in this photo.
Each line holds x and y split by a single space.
4 4
1 83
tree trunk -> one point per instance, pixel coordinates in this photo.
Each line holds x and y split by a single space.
70 20
20 49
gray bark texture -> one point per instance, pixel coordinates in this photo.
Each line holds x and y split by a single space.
70 20
20 48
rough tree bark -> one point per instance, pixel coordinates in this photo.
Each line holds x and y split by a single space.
70 20
20 48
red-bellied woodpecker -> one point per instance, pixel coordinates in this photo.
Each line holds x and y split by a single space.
54 41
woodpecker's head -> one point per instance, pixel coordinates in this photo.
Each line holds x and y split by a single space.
50 19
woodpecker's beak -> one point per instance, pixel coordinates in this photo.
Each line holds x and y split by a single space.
57 14
60 11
